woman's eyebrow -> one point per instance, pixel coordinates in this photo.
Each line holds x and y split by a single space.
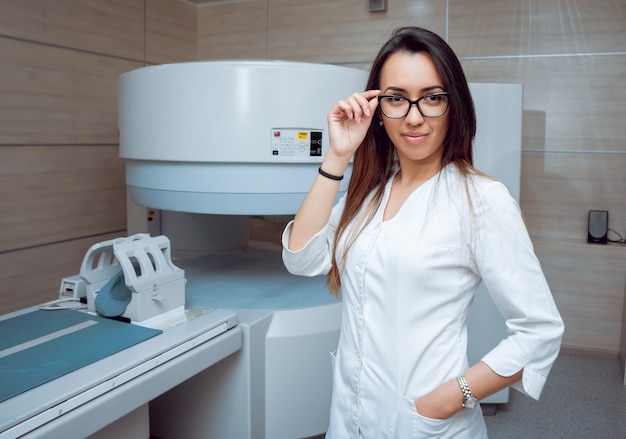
395 89
402 90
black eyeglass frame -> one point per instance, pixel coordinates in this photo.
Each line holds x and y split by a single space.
414 102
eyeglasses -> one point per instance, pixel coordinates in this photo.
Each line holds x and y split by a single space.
397 107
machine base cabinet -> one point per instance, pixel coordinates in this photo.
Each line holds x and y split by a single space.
262 390
134 425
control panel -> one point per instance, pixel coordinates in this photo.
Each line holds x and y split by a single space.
296 143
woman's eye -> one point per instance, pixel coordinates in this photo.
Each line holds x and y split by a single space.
434 99
396 99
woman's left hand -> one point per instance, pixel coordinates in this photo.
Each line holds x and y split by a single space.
442 402
430 410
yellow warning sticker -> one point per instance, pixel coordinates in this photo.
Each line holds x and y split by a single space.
303 135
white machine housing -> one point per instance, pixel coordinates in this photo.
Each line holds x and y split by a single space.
227 137
231 139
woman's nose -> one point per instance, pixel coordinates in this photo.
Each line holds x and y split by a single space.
414 117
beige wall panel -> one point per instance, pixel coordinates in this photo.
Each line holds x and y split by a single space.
32 276
587 282
559 189
488 27
622 341
582 98
331 31
58 193
113 27
233 30
567 112
56 96
171 29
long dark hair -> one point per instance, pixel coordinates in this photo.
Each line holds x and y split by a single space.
374 160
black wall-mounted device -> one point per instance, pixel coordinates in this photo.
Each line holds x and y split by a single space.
598 226
377 5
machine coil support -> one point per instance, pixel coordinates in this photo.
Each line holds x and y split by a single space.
156 284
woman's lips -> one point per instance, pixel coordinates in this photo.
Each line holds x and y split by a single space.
414 137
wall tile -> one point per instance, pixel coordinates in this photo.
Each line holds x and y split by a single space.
59 193
494 28
113 27
171 31
33 276
343 32
587 282
582 97
233 30
559 189
50 95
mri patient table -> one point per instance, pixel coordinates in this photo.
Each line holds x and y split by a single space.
109 397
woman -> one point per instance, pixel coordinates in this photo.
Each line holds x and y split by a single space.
417 231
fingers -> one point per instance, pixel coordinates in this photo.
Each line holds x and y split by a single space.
349 121
359 105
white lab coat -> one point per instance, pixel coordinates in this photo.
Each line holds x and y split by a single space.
407 288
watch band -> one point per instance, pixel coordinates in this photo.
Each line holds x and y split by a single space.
469 400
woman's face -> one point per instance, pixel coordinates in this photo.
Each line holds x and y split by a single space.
416 138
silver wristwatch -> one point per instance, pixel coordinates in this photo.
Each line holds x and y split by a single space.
469 400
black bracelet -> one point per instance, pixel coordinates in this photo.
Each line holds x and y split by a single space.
331 176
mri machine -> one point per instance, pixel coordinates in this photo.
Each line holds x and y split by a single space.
208 146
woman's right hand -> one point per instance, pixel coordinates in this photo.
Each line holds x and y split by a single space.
349 120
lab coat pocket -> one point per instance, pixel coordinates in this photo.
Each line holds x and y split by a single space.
411 424
333 361
429 427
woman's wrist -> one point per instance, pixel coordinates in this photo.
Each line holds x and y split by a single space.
334 166
329 176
